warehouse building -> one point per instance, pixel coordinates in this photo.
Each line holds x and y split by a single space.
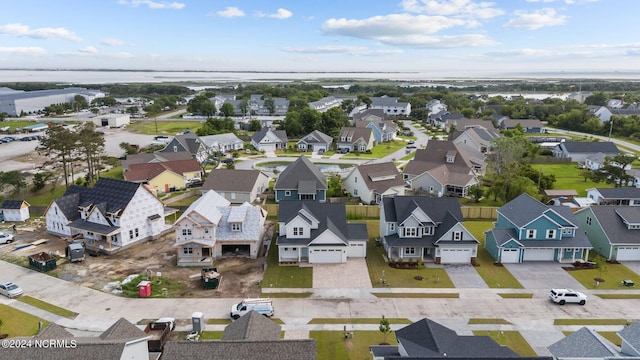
17 103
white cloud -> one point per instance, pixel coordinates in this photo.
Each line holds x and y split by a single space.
122 55
153 4
536 19
440 42
390 25
230 12
112 42
459 8
280 14
88 50
333 49
568 2
41 33
32 51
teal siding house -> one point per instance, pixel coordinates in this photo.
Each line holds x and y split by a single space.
528 230
301 180
614 231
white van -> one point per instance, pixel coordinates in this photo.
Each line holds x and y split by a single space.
262 306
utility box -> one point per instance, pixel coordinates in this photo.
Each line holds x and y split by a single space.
144 288
197 321
210 278
42 261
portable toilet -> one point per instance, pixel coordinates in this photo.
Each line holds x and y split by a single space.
144 288
75 251
197 321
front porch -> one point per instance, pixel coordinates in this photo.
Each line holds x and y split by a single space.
194 254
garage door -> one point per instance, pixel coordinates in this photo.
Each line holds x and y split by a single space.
628 253
510 256
538 254
327 256
455 256
268 147
357 249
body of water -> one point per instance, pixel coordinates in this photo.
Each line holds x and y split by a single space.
325 168
138 76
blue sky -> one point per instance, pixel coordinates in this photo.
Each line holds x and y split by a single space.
449 37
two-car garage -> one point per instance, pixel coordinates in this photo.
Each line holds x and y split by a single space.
628 253
327 254
512 255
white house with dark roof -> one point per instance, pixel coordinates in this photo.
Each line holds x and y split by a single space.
578 151
224 143
625 196
425 228
316 233
189 143
269 140
237 186
315 141
111 215
390 105
372 182
325 103
211 228
301 180
356 139
14 210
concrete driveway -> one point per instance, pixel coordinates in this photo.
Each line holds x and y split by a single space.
465 276
633 265
351 275
539 277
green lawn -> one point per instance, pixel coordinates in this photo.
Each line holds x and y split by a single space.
279 276
495 276
16 323
357 321
612 274
113 173
164 127
47 307
438 295
402 278
379 151
488 321
590 322
516 295
511 339
569 176
333 345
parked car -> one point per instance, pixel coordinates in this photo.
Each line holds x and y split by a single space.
5 238
563 296
411 142
10 290
411 146
228 161
195 182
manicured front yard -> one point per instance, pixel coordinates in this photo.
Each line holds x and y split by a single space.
612 274
47 307
280 276
495 276
358 321
16 323
333 345
511 339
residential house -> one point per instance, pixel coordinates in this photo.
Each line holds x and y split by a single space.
211 228
427 339
462 123
111 215
188 142
223 143
122 340
261 106
435 106
441 118
601 112
285 349
325 103
635 177
153 158
390 105
578 151
425 228
477 143
301 180
370 115
237 186
315 141
441 170
372 182
630 336
529 125
356 139
383 131
622 196
165 176
528 230
252 326
316 233
14 210
584 344
269 140
614 231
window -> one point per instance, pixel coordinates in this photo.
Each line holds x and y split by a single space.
392 227
236 226
427 230
298 231
287 193
355 192
206 230
411 232
233 196
130 234
588 220
567 231
114 238
457 235
531 234
409 251
175 148
551 234
186 232
355 179
187 250
137 233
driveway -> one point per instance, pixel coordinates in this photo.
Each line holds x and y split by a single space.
633 265
539 277
351 275
465 276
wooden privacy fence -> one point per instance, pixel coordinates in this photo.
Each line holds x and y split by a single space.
479 212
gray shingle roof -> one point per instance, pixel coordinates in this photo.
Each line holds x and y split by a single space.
11 204
631 334
300 170
316 137
304 349
252 326
122 330
224 180
620 193
612 224
381 176
584 343
606 147
522 210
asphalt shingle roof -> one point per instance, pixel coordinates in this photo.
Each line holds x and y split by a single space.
606 147
584 343
380 176
303 349
232 180
252 326
300 170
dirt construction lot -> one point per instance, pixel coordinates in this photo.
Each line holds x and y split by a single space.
240 275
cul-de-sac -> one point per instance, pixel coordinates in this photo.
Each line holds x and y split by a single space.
320 220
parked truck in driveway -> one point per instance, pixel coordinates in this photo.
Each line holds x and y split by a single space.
159 330
262 306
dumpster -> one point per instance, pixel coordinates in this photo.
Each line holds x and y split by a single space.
42 261
210 278
144 288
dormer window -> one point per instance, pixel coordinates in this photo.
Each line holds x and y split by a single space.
298 231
